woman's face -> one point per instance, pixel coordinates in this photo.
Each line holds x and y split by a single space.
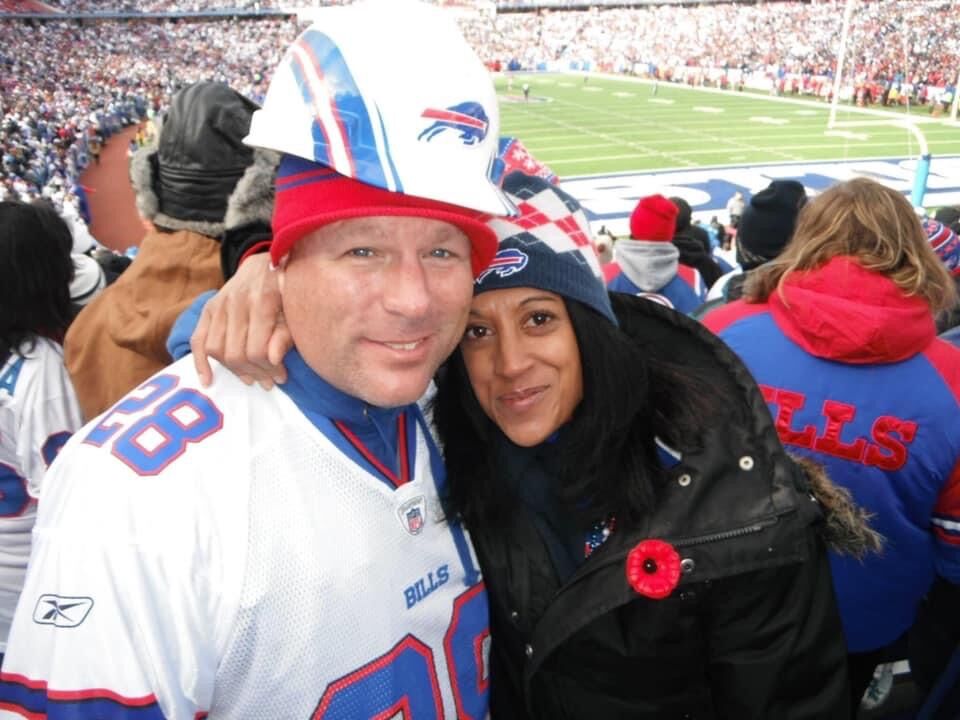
523 361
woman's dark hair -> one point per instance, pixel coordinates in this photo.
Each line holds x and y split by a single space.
35 274
609 457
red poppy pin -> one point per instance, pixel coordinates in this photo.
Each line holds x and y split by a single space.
653 568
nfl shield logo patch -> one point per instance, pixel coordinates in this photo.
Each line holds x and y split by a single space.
413 514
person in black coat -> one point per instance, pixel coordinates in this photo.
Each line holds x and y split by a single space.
693 242
648 547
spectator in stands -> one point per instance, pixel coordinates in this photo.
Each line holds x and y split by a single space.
89 279
182 187
113 263
648 264
38 408
719 234
694 245
839 332
45 122
946 244
949 216
735 207
766 227
603 243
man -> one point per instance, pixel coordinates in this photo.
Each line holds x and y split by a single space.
693 242
182 186
735 206
648 263
236 553
766 227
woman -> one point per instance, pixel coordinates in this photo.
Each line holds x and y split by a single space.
38 408
649 549
839 331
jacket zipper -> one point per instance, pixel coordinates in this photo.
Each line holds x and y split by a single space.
727 534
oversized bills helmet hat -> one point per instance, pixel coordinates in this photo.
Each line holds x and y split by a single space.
413 120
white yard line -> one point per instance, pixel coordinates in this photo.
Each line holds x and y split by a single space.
678 130
620 142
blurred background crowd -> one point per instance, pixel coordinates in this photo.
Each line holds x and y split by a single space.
111 72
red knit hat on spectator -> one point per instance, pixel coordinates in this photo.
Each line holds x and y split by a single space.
654 218
945 244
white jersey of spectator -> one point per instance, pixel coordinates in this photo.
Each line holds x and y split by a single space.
38 413
83 240
201 584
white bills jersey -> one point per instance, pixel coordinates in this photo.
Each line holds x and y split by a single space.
234 554
38 412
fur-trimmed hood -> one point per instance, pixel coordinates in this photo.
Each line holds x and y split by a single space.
249 211
846 528
183 181
252 198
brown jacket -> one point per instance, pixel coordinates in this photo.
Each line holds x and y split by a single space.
119 339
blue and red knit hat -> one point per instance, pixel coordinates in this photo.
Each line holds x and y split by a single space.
945 244
310 195
547 246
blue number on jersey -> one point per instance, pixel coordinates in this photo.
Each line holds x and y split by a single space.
52 447
158 387
154 441
405 679
374 691
8 380
466 644
14 497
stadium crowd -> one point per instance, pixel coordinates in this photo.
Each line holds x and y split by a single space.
47 122
119 74
162 6
916 42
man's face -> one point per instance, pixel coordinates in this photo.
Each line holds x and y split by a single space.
375 304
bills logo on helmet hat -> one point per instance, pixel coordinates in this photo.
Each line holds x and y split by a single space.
505 263
467 118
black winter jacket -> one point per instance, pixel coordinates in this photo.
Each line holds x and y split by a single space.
751 630
695 254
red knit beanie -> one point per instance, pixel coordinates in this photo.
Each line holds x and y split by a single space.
310 195
654 218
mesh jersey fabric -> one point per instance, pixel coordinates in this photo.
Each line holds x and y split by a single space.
259 574
38 412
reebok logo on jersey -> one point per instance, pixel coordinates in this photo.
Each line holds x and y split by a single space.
61 611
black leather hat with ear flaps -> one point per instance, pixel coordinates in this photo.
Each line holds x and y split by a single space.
200 152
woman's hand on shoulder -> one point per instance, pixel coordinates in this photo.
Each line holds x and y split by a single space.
243 327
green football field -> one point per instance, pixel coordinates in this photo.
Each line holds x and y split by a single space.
606 125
